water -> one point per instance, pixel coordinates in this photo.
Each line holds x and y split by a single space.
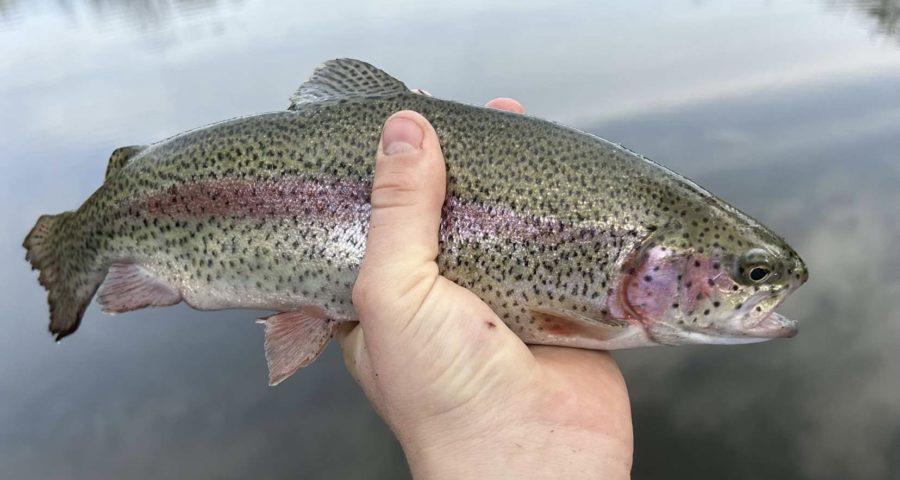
789 110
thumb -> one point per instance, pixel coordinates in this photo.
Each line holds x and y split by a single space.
399 267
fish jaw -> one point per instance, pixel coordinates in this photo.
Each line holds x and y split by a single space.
774 325
759 325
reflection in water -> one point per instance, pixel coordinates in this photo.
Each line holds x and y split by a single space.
148 13
9 8
175 393
824 404
143 14
885 13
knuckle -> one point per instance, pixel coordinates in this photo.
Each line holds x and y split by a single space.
395 188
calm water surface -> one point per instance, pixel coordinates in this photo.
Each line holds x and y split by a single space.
790 110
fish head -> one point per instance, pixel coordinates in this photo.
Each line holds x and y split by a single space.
716 279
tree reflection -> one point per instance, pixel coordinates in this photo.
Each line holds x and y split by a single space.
885 13
157 13
143 13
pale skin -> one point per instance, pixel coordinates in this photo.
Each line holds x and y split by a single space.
464 395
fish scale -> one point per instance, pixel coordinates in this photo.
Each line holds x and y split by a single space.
549 225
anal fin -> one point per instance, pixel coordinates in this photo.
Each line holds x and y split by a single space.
294 340
129 286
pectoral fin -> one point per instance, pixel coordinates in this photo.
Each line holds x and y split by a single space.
294 340
567 323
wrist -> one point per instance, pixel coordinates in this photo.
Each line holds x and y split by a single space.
526 451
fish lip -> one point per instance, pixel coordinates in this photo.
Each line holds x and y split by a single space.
773 325
768 326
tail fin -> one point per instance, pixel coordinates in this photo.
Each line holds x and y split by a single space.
63 272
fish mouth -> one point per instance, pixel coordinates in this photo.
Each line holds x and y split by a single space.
773 325
752 324
770 326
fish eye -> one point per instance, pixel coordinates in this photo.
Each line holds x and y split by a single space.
754 267
759 273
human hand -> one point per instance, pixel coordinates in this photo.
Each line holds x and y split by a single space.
464 395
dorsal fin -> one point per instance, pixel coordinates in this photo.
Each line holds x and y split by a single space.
120 157
345 77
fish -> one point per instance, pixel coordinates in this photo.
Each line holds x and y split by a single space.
571 239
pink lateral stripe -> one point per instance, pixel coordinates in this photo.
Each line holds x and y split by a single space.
338 201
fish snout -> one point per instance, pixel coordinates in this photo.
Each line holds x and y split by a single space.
801 273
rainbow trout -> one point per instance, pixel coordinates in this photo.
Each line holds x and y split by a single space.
571 239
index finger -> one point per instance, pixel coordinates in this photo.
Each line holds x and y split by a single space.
508 104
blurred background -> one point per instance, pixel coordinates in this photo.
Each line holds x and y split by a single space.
789 110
